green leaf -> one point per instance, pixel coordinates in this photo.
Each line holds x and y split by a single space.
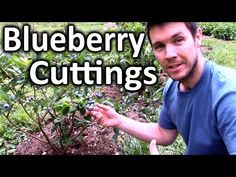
117 106
68 141
115 136
108 103
57 108
4 96
56 121
73 109
65 110
1 141
82 111
88 118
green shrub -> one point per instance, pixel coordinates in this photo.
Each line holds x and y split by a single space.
219 30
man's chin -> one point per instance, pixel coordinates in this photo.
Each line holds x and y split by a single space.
177 77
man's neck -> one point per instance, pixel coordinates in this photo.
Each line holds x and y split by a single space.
189 83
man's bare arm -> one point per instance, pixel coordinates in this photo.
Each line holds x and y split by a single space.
147 131
107 116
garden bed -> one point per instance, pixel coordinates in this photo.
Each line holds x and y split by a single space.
97 140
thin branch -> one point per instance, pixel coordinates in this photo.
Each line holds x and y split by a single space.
27 112
58 130
7 117
83 128
64 91
24 107
44 94
6 73
72 124
45 135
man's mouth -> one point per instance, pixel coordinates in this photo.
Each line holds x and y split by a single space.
174 67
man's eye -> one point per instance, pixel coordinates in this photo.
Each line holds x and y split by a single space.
179 41
158 47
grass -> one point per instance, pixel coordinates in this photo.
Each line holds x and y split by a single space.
9 137
220 51
133 146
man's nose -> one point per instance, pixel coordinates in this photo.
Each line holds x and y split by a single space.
170 52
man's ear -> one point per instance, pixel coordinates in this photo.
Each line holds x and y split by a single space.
198 37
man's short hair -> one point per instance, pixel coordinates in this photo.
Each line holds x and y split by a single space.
192 26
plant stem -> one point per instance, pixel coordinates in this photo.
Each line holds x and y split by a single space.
64 91
7 117
6 73
45 135
72 124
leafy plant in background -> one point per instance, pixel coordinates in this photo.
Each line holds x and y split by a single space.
64 107
219 30
133 146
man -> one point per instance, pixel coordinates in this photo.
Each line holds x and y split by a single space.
199 98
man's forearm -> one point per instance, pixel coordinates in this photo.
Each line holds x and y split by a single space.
143 131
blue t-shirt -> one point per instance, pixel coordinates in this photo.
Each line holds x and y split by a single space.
205 116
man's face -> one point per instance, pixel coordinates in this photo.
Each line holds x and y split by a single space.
175 48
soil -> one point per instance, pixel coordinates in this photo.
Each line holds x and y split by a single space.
97 140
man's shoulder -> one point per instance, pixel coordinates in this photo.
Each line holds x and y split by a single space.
223 75
223 82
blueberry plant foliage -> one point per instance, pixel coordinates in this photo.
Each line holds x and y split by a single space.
63 106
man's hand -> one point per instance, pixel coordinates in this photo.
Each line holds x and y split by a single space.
105 115
153 148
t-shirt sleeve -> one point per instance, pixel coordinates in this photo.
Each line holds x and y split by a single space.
226 116
165 120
